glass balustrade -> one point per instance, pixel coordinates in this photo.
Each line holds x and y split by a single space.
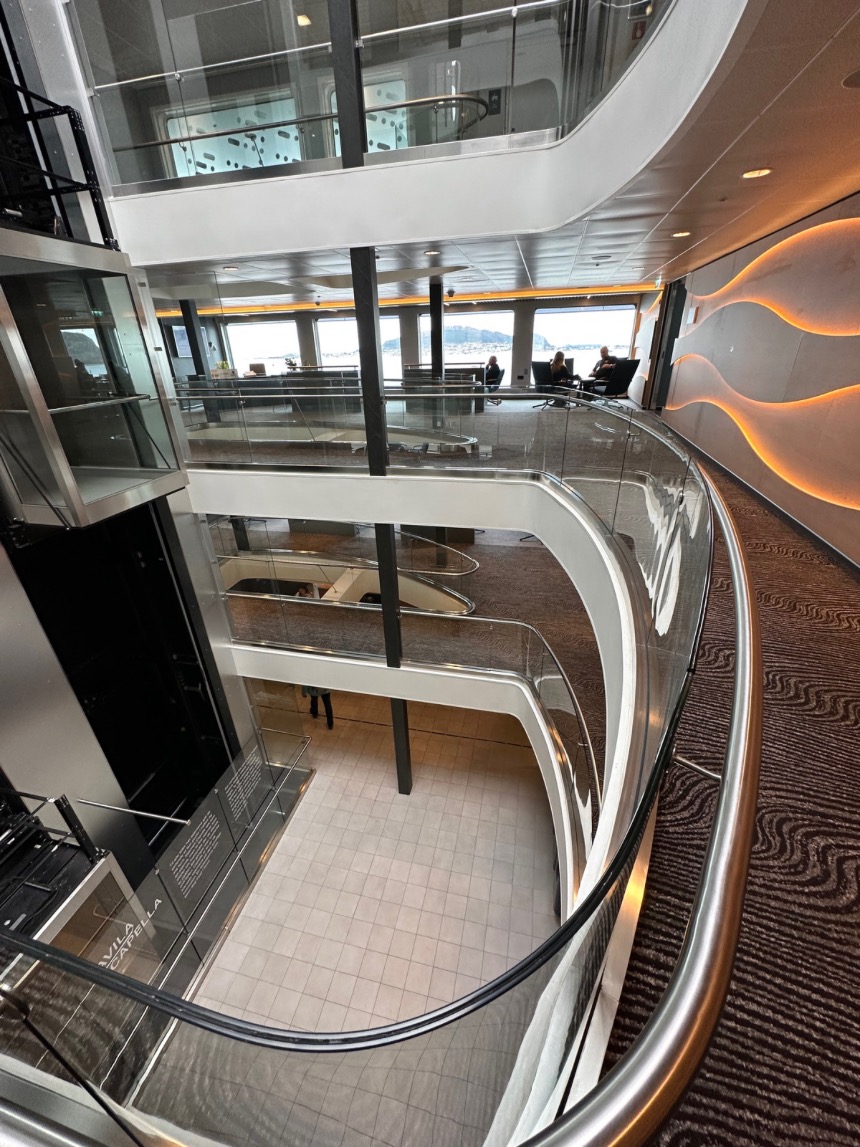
627 470
159 1064
276 424
299 544
215 93
625 467
490 1067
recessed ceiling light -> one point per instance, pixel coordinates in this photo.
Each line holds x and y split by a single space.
230 267
303 21
680 234
757 172
852 80
431 252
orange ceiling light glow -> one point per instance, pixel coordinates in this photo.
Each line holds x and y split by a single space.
783 434
410 301
811 280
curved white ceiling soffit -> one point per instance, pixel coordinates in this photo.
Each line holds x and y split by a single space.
497 193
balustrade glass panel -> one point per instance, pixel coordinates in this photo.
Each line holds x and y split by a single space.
248 86
202 90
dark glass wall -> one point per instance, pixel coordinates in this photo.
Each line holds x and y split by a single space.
110 598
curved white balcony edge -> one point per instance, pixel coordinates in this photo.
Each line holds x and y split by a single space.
653 104
531 503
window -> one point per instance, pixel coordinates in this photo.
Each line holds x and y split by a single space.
472 338
338 343
581 331
389 336
269 343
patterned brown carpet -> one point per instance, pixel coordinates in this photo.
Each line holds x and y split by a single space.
784 1064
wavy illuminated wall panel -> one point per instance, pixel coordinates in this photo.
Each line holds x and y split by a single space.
810 279
767 370
778 432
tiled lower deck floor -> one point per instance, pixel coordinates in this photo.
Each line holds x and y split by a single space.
376 907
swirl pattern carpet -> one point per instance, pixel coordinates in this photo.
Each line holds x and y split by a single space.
784 1064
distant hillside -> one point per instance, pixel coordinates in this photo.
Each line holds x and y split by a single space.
477 340
83 347
462 337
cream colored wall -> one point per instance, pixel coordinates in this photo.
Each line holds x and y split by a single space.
767 370
646 321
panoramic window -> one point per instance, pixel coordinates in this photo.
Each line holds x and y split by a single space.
271 344
581 331
472 338
338 343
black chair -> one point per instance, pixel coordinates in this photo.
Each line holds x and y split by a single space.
492 387
542 374
617 382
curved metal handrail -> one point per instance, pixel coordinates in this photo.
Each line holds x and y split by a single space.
321 117
259 1035
219 1023
471 564
633 1099
178 73
356 563
637 1096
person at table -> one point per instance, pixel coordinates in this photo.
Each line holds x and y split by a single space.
560 375
603 366
492 371
493 379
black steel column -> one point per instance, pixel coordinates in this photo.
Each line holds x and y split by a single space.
199 356
240 533
363 260
437 330
343 26
195 340
346 64
455 31
667 330
389 591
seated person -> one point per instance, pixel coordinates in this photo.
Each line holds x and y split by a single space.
561 376
491 374
493 380
603 366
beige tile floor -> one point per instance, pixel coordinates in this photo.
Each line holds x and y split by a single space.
376 907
